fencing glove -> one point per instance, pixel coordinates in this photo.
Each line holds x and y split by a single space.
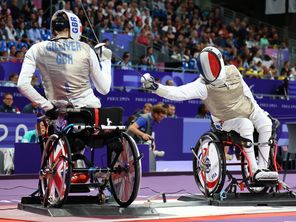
103 52
148 82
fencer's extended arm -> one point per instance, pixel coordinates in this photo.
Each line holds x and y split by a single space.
25 78
100 73
193 90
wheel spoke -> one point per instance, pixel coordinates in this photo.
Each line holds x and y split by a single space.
58 181
208 165
123 184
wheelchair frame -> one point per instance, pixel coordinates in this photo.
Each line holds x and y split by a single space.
216 141
121 176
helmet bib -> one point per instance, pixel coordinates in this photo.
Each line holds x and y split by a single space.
62 19
210 64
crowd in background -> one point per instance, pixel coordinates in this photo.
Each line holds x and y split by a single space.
173 27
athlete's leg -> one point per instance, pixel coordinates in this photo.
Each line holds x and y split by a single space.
263 126
245 128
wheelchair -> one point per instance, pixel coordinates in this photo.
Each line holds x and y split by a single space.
94 128
209 163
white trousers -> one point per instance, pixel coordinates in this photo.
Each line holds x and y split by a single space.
245 127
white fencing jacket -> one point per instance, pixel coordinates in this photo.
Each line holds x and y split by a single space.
231 100
66 67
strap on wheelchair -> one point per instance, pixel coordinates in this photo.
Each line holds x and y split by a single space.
96 117
275 124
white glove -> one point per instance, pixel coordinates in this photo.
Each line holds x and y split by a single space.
103 52
148 82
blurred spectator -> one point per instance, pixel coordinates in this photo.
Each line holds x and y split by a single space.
203 112
171 111
169 82
19 55
31 108
3 31
125 63
143 64
267 61
143 38
7 105
151 61
12 80
31 136
141 129
11 32
20 30
40 19
4 56
284 71
282 90
67 6
25 40
274 72
158 9
275 41
15 11
293 72
169 26
171 36
138 28
146 18
34 33
165 47
146 109
12 53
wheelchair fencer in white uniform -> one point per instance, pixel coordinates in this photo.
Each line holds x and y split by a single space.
230 102
66 66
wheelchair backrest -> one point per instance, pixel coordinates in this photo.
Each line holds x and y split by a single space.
111 116
94 117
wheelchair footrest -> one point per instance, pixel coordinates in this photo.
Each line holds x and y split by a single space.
264 182
79 188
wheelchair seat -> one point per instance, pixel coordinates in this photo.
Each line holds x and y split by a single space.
231 137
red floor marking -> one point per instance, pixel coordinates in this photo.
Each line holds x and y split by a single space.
12 220
223 217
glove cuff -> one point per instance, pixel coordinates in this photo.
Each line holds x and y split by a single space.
154 86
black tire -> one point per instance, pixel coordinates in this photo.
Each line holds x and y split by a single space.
246 174
216 165
125 185
56 161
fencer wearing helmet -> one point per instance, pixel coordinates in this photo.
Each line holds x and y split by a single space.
65 65
230 102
